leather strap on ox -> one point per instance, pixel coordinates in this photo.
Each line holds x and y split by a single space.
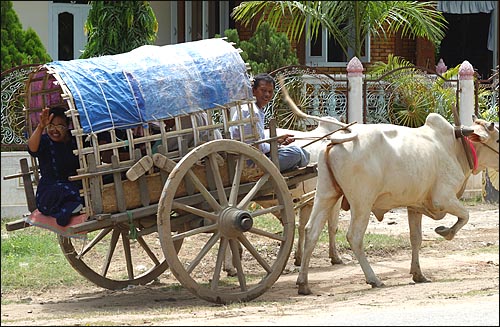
462 132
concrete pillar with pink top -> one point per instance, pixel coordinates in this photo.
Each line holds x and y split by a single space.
466 96
355 92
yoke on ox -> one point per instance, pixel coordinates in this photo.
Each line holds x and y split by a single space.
428 174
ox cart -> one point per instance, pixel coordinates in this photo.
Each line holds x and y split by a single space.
167 190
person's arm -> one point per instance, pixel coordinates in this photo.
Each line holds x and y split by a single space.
286 139
34 140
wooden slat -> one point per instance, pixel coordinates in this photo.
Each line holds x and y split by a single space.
15 225
95 186
28 186
273 144
117 180
143 183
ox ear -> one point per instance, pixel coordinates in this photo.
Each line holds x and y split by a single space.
474 118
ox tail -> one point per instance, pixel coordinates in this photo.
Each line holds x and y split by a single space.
288 100
345 204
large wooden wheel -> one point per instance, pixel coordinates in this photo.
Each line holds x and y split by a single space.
115 258
257 242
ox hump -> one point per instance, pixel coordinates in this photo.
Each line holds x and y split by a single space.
438 123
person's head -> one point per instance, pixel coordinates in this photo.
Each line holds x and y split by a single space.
263 89
58 125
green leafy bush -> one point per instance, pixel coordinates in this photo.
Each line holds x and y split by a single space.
266 50
19 47
115 27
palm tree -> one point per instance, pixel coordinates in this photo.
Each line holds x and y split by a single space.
348 22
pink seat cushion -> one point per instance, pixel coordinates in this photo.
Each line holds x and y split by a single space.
40 220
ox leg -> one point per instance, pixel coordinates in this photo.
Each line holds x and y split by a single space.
228 265
304 214
322 208
333 223
355 235
415 223
333 220
457 209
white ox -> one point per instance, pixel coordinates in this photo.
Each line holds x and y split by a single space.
387 166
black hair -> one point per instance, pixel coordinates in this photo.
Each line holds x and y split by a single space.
262 77
59 112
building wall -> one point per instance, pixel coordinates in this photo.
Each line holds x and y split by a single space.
34 14
13 197
162 12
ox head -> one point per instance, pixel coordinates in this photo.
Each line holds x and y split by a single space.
485 136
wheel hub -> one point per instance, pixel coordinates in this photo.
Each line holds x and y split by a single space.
234 222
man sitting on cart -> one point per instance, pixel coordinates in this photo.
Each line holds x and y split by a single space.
289 156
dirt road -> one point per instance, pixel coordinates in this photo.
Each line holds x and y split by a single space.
464 290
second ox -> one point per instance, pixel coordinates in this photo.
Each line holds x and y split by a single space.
378 167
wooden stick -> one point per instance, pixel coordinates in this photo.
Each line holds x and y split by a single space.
328 134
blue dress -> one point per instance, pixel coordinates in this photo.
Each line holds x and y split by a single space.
56 196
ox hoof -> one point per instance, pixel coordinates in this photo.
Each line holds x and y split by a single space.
376 284
231 272
444 232
336 261
304 290
420 279
297 261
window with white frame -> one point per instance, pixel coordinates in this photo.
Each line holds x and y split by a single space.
324 51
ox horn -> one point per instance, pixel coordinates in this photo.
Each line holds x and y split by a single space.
463 131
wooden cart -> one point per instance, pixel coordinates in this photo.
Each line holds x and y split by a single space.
195 209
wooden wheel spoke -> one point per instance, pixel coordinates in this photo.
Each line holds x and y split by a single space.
111 250
218 263
218 179
94 241
261 232
235 187
246 243
146 248
272 209
203 252
194 231
128 254
203 191
237 264
196 211
253 191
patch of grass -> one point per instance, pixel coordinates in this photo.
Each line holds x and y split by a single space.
486 249
32 260
373 243
473 201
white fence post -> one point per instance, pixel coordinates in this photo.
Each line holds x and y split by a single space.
355 92
466 97
466 100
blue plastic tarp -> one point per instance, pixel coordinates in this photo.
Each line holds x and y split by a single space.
154 82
